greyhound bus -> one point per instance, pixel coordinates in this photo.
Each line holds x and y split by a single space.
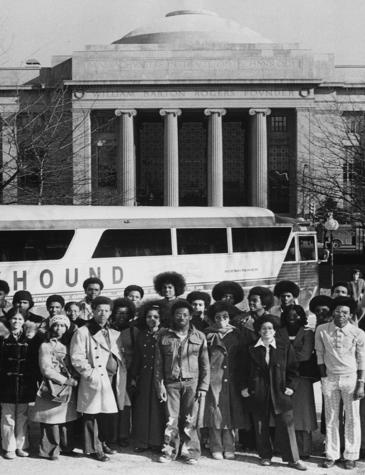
53 249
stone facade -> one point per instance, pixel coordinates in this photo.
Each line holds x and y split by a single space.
216 116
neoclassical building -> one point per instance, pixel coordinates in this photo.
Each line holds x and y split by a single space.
192 109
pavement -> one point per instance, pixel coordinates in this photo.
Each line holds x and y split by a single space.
129 463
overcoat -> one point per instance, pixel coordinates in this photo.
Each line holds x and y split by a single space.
266 383
90 352
53 359
303 399
18 369
223 407
148 412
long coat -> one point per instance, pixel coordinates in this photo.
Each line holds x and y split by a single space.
18 369
303 399
90 352
148 412
53 358
223 406
267 382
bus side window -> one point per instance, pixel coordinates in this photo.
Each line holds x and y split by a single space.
34 245
290 255
307 250
260 239
201 241
133 243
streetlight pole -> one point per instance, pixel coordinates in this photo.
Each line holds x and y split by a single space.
304 184
331 225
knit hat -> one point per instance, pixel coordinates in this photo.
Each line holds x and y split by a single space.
4 286
23 295
61 318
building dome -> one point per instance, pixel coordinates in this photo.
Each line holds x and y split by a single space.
192 26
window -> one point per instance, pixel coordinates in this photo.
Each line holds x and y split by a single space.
33 245
259 239
290 255
307 251
279 123
133 242
201 241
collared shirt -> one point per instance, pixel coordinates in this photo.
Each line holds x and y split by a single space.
341 350
267 348
86 312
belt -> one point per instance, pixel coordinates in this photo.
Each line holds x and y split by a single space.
179 380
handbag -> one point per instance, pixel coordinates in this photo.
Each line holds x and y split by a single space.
309 369
55 392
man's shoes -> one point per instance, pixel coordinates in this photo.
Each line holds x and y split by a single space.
164 459
21 453
229 455
53 457
299 465
124 442
100 457
217 455
139 449
349 464
191 461
265 462
328 463
9 455
107 450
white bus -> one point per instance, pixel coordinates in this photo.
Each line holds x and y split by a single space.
53 249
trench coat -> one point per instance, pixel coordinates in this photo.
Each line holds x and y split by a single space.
90 352
303 399
223 406
53 357
266 383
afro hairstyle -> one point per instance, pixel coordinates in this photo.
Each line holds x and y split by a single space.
221 306
55 298
23 295
131 288
228 287
197 295
174 278
345 302
320 301
342 283
181 303
299 310
264 319
102 301
4 286
286 286
123 302
265 294
92 280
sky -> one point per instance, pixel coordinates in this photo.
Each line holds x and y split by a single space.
43 28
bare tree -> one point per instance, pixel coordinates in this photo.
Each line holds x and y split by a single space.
333 179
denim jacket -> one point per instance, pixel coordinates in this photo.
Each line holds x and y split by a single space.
171 366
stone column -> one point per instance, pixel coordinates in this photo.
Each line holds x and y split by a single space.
215 156
171 157
126 164
9 163
259 175
81 149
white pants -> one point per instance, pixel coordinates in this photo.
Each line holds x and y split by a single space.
14 434
335 388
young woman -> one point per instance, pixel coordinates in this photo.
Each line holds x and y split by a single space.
55 405
294 321
269 382
18 385
148 416
223 409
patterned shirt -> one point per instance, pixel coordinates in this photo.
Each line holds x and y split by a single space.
341 350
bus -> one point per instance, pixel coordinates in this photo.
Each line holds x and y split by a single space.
53 249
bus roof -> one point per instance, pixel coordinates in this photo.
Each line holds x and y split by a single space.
19 217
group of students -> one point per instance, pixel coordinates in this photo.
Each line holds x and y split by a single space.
174 373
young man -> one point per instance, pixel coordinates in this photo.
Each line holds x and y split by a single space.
340 348
200 302
93 287
182 379
287 292
23 301
97 355
5 306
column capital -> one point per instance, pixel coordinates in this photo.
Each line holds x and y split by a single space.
257 110
220 112
130 112
174 112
